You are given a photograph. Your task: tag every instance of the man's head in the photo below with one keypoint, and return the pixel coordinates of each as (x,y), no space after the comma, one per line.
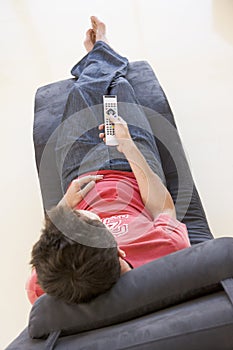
(68,269)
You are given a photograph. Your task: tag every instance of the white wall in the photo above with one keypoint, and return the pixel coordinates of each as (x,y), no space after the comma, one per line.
(188,43)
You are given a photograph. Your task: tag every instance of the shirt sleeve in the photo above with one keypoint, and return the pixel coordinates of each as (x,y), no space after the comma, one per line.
(33,289)
(176,230)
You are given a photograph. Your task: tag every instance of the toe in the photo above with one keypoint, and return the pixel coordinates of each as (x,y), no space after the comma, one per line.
(95,22)
(88,33)
(93,36)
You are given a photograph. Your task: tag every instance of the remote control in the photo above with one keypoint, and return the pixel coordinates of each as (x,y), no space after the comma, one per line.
(110,108)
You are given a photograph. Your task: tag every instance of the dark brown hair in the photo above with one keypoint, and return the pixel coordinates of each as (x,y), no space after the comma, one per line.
(68,269)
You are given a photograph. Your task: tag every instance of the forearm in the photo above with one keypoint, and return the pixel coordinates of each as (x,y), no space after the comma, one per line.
(155,195)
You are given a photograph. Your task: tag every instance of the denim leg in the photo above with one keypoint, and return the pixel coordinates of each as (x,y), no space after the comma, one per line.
(79,149)
(98,69)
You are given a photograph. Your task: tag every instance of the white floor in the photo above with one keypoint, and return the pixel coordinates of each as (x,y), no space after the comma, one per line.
(189,43)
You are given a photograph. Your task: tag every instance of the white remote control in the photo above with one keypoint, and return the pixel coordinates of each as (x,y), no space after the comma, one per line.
(110,108)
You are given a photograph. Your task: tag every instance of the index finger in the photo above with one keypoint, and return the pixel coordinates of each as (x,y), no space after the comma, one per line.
(101,127)
(88,178)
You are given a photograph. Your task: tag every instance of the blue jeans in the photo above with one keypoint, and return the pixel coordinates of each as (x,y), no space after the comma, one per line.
(79,149)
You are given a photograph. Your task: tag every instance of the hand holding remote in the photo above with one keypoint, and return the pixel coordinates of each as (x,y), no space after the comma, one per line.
(122,133)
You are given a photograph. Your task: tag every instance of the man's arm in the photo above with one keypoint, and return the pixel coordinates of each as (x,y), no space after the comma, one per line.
(155,195)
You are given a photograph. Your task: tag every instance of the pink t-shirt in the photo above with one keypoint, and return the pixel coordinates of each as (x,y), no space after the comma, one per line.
(117,200)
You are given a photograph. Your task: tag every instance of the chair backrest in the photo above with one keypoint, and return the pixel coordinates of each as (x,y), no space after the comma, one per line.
(171,280)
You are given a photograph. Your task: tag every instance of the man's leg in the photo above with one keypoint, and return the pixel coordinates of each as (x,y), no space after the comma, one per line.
(79,149)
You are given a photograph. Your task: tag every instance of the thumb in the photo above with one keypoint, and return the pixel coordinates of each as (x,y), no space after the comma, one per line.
(116,119)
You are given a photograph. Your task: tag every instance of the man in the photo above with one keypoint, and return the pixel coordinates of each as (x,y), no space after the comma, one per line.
(116,213)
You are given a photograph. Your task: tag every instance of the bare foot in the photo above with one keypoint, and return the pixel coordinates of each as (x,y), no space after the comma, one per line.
(89,40)
(99,29)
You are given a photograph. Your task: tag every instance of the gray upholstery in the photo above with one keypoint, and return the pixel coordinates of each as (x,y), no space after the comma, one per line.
(204,324)
(191,309)
(154,286)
